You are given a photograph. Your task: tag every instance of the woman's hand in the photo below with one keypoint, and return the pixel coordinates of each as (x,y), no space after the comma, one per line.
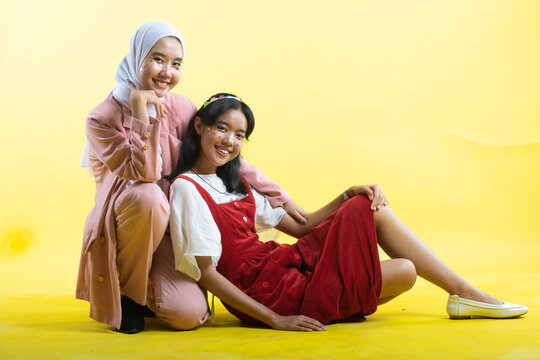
(373,192)
(297,323)
(140,98)
(295,211)
(220,286)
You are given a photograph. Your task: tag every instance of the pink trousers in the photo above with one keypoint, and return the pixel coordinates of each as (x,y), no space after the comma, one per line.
(144,252)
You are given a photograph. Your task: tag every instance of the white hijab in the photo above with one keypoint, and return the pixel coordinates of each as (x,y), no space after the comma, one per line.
(142,41)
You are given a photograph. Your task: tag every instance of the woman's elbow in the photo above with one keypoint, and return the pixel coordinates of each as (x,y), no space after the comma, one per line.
(296,231)
(207,280)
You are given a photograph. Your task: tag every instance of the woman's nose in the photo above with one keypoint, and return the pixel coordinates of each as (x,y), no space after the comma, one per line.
(166,70)
(228,138)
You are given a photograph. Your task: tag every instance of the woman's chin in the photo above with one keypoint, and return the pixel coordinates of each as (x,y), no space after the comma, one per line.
(161,93)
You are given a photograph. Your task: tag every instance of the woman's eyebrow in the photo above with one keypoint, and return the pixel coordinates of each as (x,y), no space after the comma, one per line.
(163,55)
(221,122)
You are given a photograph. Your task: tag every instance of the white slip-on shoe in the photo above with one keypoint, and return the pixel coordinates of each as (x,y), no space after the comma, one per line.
(460,308)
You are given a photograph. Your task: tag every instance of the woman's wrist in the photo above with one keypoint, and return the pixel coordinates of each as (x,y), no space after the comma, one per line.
(272,319)
(347,194)
(138,108)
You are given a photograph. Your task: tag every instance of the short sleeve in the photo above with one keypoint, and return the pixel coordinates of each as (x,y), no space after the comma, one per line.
(192,227)
(266,216)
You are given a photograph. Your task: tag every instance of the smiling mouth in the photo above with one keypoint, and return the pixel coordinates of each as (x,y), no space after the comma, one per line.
(222,151)
(161,84)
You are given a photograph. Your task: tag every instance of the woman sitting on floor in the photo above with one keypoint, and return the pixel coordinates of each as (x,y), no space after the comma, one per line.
(332,273)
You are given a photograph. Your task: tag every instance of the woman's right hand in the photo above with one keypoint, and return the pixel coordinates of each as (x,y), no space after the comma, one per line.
(220,286)
(296,323)
(373,193)
(140,98)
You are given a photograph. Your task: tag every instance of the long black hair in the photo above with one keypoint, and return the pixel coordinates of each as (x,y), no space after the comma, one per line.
(209,113)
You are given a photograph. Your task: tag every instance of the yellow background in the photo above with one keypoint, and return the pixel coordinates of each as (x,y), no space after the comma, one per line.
(436,101)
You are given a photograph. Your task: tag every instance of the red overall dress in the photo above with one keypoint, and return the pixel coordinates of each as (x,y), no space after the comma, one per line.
(333,273)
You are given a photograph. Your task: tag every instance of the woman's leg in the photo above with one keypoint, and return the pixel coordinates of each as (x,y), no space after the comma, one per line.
(398,276)
(142,216)
(176,298)
(398,241)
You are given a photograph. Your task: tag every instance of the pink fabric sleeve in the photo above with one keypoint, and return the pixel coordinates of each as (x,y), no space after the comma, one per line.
(132,155)
(256,178)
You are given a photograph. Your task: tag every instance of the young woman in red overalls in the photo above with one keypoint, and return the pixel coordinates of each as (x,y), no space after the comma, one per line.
(333,273)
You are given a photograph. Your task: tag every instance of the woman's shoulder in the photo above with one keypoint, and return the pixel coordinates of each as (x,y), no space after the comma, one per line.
(180,185)
(108,111)
(180,103)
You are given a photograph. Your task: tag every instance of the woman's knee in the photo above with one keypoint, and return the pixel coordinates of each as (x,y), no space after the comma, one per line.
(149,197)
(407,273)
(358,205)
(399,275)
(360,202)
(183,315)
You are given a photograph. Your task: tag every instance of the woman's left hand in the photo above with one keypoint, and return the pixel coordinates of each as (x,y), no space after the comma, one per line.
(139,99)
(295,211)
(373,193)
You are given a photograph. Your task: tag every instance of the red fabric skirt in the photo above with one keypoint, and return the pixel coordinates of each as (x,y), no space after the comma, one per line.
(331,274)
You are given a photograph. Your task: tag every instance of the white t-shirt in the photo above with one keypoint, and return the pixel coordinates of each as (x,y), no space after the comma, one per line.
(193,229)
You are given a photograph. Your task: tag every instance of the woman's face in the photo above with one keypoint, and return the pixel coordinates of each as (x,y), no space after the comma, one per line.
(221,142)
(160,69)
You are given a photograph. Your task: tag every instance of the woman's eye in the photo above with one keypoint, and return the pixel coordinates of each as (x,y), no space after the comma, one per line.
(177,64)
(240,136)
(221,128)
(158,59)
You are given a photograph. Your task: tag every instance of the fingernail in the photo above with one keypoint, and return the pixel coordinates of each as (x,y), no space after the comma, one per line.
(304,222)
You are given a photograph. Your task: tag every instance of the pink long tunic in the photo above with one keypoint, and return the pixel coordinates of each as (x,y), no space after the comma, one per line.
(123,148)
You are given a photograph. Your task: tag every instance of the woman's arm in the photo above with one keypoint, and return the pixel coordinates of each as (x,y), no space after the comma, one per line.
(256,178)
(293,228)
(218,285)
(271,190)
(132,155)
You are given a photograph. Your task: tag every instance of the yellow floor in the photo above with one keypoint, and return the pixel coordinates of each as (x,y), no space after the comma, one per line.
(437,101)
(415,326)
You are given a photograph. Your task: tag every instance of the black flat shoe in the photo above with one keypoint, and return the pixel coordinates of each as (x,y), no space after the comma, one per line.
(132,317)
(147,312)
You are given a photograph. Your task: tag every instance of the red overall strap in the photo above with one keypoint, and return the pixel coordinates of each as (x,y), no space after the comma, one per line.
(203,192)
(206,196)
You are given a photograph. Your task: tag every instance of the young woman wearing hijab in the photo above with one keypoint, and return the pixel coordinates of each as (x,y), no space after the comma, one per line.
(133,137)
